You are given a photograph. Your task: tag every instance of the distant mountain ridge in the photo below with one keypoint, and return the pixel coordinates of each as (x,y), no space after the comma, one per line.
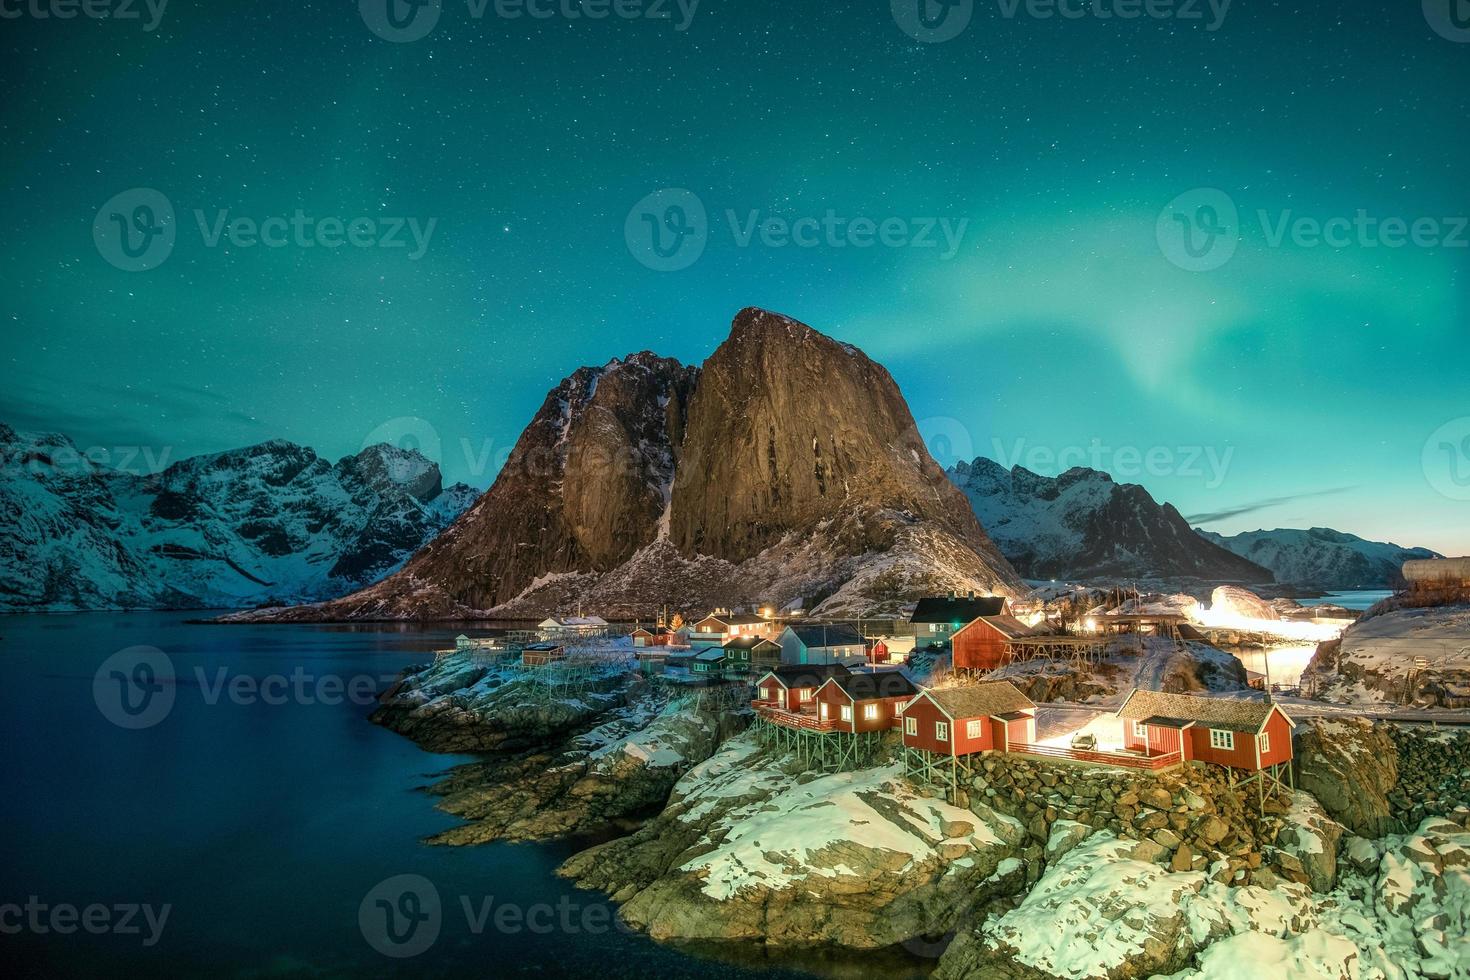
(271,522)
(1082,526)
(787,469)
(1321,558)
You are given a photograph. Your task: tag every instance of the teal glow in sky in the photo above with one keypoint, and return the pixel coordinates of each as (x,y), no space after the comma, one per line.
(1330,377)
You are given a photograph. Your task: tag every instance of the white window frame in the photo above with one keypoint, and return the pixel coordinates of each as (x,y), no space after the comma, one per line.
(845,712)
(911,726)
(973,729)
(941,731)
(870,712)
(1223,739)
(806,694)
(1140,730)
(1264,742)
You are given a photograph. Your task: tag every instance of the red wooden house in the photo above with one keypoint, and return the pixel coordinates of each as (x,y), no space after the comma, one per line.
(984,643)
(866,701)
(794,686)
(985,717)
(1251,735)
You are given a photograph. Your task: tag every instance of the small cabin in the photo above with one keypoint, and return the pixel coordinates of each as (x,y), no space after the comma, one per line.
(541,654)
(935,619)
(792,687)
(823,645)
(866,701)
(1252,735)
(641,637)
(554,626)
(987,717)
(708,663)
(746,653)
(984,643)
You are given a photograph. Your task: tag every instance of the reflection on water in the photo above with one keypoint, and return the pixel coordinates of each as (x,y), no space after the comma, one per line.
(1283,665)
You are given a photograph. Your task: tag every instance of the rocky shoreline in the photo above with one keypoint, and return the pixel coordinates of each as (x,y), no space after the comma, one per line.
(1028,868)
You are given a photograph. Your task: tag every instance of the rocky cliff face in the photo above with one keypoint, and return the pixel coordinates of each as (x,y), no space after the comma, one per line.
(1321,558)
(1081,525)
(268,522)
(787,469)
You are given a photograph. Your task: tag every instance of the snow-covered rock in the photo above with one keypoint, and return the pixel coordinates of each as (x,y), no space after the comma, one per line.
(268,522)
(1418,655)
(749,851)
(1081,525)
(1321,558)
(1231,600)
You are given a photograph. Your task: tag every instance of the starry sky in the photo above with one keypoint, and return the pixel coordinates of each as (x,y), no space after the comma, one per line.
(1252,373)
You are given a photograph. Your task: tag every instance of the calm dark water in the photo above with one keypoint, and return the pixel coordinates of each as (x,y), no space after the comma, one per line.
(261,821)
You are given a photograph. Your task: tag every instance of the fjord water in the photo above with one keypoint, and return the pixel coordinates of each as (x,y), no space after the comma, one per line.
(262,826)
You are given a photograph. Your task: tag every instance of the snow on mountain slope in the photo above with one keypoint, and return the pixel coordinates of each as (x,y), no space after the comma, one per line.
(1322,558)
(273,521)
(1081,525)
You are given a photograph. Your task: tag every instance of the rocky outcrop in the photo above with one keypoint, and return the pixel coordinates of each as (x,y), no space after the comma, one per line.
(787,470)
(268,523)
(1379,778)
(1083,526)
(1232,600)
(747,850)
(1321,558)
(1411,655)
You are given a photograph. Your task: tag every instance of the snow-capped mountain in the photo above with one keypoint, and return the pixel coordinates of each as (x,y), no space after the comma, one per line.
(1083,526)
(1322,558)
(787,468)
(268,522)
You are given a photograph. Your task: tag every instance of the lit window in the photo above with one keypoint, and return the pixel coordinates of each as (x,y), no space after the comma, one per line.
(806,694)
(972,729)
(1265,741)
(911,726)
(1221,739)
(870,712)
(941,731)
(1139,731)
(847,712)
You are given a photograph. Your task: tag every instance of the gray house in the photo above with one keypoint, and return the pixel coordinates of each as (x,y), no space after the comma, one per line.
(823,645)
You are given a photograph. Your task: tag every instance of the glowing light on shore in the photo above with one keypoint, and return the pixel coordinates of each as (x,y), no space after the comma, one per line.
(1287,629)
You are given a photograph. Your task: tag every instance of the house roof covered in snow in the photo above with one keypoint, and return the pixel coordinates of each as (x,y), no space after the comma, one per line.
(711,656)
(572,622)
(827,636)
(1178,710)
(983,700)
(961,609)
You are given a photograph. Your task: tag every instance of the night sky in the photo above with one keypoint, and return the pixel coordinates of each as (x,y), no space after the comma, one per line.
(1290,383)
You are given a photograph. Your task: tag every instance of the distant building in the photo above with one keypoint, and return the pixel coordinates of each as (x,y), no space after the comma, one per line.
(823,645)
(746,653)
(572,626)
(984,643)
(720,626)
(936,619)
